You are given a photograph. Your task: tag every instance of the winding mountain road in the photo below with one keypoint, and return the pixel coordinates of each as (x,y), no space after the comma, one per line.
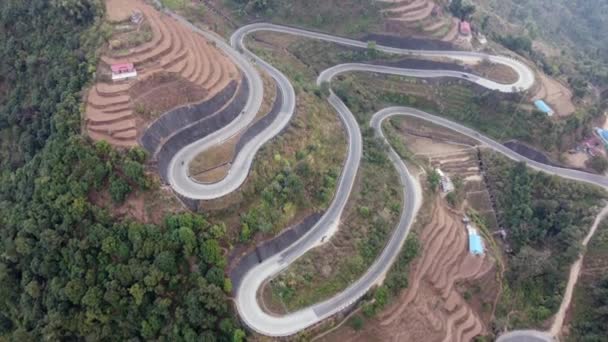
(246,295)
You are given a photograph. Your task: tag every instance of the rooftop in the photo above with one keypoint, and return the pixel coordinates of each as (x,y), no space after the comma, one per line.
(122,67)
(603,134)
(543,107)
(475,244)
(465,27)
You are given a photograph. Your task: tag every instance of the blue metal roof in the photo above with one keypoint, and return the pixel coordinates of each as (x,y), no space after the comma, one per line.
(542,106)
(604,134)
(475,244)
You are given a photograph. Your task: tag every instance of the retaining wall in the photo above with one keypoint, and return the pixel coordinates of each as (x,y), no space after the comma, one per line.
(270,248)
(255,129)
(178,118)
(200,129)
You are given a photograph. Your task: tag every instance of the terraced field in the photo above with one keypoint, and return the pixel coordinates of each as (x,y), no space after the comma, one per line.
(434,306)
(175,50)
(431,305)
(422,16)
(463,163)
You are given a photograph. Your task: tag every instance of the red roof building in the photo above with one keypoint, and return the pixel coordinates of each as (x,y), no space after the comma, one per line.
(122,68)
(122,71)
(465,28)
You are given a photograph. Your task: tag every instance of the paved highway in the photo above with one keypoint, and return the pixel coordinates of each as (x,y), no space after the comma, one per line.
(526,336)
(246,295)
(185,185)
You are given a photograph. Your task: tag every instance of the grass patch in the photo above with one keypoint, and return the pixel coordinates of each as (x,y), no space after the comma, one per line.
(347,17)
(122,42)
(174,5)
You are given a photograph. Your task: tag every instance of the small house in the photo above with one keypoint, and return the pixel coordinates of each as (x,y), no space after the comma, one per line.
(475,241)
(445,182)
(123,71)
(464,28)
(603,134)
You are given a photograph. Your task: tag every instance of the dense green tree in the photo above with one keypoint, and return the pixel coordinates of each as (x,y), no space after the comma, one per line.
(592,325)
(433,179)
(599,164)
(545,218)
(461,9)
(68,269)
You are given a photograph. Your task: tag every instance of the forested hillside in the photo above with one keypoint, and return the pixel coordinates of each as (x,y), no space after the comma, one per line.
(43,65)
(574,30)
(546,218)
(68,269)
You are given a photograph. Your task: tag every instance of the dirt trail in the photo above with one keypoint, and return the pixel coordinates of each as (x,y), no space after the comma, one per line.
(575,270)
(199,70)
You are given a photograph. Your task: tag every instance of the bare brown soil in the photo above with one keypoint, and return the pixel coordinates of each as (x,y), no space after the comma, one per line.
(578,160)
(163,91)
(497,72)
(118,10)
(558,96)
(271,303)
(455,155)
(213,158)
(434,308)
(197,69)
(215,174)
(431,138)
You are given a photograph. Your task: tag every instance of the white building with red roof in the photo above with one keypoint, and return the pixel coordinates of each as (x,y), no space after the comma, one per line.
(123,71)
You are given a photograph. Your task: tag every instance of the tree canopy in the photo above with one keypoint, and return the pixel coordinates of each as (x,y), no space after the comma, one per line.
(68,269)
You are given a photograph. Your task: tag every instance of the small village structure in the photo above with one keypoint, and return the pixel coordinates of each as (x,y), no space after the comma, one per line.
(446,183)
(475,241)
(123,71)
(464,27)
(603,135)
(544,107)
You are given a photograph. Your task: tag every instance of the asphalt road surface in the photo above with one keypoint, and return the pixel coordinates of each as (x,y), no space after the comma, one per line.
(526,336)
(246,295)
(185,185)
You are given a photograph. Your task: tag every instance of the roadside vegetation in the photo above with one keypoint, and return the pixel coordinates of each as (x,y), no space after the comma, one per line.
(495,114)
(295,174)
(590,301)
(348,17)
(174,5)
(377,205)
(373,213)
(69,270)
(545,218)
